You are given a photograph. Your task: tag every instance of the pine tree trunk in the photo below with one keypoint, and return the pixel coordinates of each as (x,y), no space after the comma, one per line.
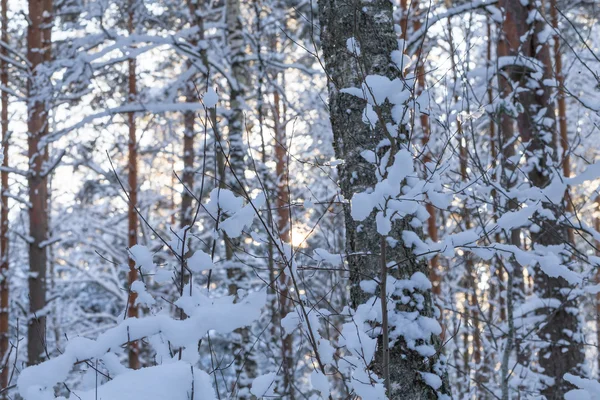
(4,260)
(38,52)
(372,26)
(189,118)
(132,309)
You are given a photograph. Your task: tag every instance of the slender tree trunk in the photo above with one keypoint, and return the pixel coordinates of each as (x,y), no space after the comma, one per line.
(372,26)
(4,261)
(132,310)
(38,52)
(189,119)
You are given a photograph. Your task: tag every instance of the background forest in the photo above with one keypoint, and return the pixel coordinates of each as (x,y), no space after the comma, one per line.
(294,199)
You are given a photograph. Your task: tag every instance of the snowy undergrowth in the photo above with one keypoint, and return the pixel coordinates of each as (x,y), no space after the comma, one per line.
(173,341)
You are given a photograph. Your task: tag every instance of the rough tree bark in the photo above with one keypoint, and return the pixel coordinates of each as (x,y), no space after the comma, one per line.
(371,24)
(38,52)
(4,266)
(560,352)
(132,218)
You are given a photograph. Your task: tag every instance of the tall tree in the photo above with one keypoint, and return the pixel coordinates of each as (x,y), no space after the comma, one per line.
(132,218)
(358,41)
(39,52)
(189,125)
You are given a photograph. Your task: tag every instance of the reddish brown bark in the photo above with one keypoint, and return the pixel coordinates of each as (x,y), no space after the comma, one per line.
(4,286)
(189,118)
(132,218)
(38,52)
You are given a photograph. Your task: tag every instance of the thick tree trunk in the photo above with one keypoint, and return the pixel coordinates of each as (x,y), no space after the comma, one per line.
(371,25)
(560,352)
(132,218)
(4,285)
(38,52)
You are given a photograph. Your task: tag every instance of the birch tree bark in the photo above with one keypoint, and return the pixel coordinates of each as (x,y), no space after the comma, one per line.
(371,25)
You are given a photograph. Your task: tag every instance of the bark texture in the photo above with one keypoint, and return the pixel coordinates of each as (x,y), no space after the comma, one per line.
(132,217)
(371,24)
(38,52)
(189,119)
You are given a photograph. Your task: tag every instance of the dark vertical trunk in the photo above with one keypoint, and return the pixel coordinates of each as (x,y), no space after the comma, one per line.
(132,218)
(38,52)
(372,26)
(189,118)
(4,286)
